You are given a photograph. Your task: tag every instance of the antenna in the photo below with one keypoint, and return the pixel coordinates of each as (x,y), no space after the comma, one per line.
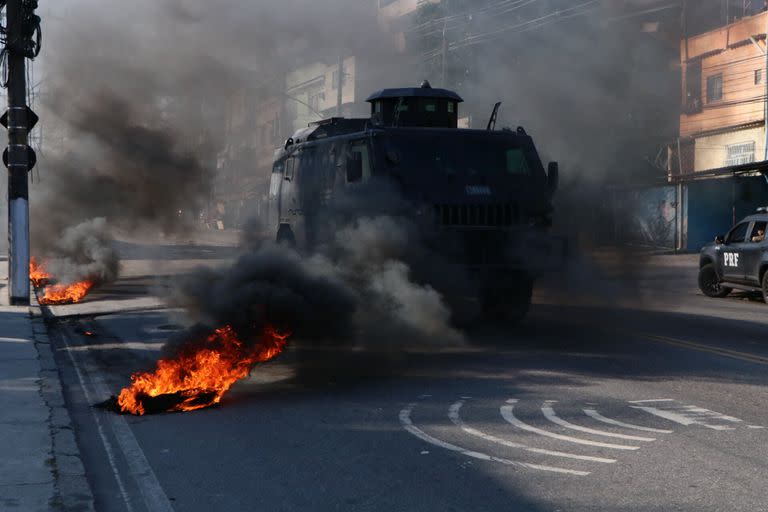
(494,114)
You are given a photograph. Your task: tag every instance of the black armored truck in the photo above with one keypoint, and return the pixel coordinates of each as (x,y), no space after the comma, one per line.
(738,260)
(484,194)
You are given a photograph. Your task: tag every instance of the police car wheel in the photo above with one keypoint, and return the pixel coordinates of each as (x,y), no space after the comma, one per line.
(710,284)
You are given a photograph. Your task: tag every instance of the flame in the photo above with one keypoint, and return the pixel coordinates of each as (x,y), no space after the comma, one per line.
(56,293)
(37,273)
(200,374)
(66,293)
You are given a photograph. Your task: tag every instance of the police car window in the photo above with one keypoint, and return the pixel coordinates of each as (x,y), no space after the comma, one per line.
(758,231)
(517,163)
(738,233)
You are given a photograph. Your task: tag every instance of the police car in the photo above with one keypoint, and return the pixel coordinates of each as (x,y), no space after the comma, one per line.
(738,260)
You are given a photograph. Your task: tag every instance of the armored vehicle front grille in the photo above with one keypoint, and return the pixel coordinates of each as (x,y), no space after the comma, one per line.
(477,215)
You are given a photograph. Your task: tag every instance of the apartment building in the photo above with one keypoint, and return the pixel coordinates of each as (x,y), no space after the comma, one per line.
(723,96)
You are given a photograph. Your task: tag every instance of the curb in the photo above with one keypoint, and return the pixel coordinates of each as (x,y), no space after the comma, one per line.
(73,492)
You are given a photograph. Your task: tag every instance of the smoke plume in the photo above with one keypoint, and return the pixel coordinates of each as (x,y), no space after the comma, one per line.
(360,284)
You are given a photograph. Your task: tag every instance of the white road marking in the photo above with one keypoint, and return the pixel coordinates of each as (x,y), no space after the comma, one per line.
(155,499)
(407,424)
(453,414)
(599,417)
(99,428)
(682,419)
(550,414)
(652,400)
(699,411)
(755,426)
(507,412)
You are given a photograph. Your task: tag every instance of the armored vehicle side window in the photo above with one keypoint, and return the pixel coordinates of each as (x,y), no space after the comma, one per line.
(758,231)
(290,165)
(517,163)
(358,162)
(737,234)
(274,182)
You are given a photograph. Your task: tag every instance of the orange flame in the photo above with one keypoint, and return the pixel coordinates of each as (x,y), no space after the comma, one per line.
(37,273)
(200,375)
(57,293)
(66,293)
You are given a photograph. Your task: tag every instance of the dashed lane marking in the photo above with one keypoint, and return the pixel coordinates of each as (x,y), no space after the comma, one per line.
(453,414)
(507,412)
(407,424)
(550,414)
(734,354)
(592,413)
(652,400)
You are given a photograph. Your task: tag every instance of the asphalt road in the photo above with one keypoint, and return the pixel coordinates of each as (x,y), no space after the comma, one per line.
(625,389)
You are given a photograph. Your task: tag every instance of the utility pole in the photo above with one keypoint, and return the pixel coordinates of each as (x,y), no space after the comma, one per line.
(339,85)
(22,41)
(444,55)
(765,80)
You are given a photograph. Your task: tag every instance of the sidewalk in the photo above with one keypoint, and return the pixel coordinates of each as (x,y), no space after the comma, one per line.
(40,466)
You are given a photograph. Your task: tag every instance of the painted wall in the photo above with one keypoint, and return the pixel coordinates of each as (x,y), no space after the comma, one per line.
(727,50)
(710,151)
(713,204)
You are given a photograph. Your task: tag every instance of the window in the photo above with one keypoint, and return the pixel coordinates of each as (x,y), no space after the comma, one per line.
(692,100)
(358,150)
(314,99)
(737,154)
(430,106)
(289,168)
(758,76)
(758,232)
(715,88)
(737,234)
(516,162)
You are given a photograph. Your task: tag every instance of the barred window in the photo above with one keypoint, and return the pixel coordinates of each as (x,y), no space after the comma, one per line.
(714,88)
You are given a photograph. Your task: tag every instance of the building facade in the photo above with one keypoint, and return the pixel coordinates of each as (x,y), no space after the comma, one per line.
(715,161)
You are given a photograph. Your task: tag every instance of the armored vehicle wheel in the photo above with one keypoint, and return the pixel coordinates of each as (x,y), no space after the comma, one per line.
(765,287)
(709,283)
(509,305)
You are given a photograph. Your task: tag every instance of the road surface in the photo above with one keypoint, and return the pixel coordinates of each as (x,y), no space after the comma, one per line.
(624,390)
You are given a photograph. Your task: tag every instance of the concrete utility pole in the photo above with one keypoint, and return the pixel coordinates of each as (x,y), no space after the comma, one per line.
(444,58)
(765,80)
(22,25)
(339,85)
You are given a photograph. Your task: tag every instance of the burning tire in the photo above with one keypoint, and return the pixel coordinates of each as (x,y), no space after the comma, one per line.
(509,305)
(709,283)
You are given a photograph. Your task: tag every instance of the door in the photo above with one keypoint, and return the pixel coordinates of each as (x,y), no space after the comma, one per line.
(732,253)
(753,251)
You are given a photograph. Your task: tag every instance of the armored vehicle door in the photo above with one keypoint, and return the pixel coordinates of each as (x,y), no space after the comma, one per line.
(754,248)
(731,258)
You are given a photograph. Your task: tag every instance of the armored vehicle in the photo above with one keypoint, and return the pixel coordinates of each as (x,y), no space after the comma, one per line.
(738,260)
(485,193)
